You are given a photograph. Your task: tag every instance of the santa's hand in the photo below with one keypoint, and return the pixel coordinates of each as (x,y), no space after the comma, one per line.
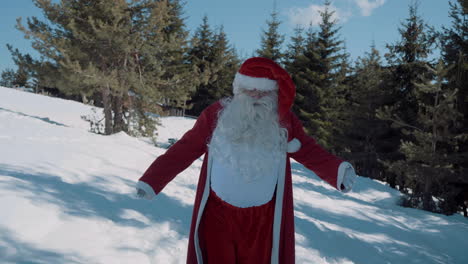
(348,179)
(141,193)
(144,191)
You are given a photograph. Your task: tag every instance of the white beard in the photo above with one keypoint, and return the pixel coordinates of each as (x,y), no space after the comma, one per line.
(248,136)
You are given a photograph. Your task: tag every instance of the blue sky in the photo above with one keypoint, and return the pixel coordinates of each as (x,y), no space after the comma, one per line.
(362,21)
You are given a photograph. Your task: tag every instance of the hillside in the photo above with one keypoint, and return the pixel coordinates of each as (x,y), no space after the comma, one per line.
(67,196)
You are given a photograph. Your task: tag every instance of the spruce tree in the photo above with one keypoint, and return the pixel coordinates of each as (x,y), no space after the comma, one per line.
(295,64)
(271,40)
(177,69)
(295,48)
(366,134)
(110,48)
(227,63)
(340,115)
(303,65)
(216,63)
(408,58)
(429,156)
(408,61)
(8,78)
(319,79)
(328,73)
(200,58)
(455,55)
(23,76)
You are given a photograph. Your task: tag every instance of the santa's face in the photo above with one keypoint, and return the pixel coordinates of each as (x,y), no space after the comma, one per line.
(248,126)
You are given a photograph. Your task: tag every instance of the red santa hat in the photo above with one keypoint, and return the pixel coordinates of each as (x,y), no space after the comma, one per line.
(266,75)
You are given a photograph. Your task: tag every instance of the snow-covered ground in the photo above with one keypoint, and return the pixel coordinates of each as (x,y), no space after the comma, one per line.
(67,196)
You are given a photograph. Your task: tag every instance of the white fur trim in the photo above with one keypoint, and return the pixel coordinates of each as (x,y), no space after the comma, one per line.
(242,81)
(150,194)
(345,170)
(277,218)
(294,145)
(205,195)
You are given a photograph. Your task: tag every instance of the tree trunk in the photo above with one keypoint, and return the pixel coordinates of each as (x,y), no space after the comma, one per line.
(391,179)
(117,103)
(107,102)
(427,195)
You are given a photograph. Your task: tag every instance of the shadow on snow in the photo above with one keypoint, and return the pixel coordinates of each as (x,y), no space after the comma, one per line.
(384,238)
(86,200)
(14,251)
(383,232)
(45,119)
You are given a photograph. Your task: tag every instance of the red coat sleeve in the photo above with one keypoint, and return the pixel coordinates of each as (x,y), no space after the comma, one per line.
(313,156)
(180,155)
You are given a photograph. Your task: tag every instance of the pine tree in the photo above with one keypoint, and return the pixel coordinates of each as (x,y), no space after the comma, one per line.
(177,69)
(200,58)
(108,47)
(407,60)
(295,64)
(455,54)
(11,78)
(340,115)
(8,78)
(23,75)
(227,63)
(329,77)
(295,48)
(366,134)
(429,156)
(319,79)
(271,40)
(216,63)
(303,65)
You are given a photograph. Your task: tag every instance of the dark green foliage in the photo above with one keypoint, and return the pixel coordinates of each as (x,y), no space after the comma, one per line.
(431,149)
(455,53)
(454,42)
(178,73)
(272,41)
(225,57)
(365,133)
(303,65)
(113,49)
(200,58)
(11,78)
(215,63)
(319,71)
(407,60)
(23,75)
(8,78)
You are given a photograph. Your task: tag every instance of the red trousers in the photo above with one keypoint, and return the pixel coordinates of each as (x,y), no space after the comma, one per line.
(234,235)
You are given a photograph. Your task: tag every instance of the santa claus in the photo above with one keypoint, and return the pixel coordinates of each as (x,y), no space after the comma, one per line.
(243,209)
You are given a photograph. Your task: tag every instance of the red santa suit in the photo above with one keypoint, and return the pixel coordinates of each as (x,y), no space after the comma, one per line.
(301,148)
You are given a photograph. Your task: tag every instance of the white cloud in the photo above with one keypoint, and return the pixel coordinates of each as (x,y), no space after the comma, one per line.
(311,14)
(367,6)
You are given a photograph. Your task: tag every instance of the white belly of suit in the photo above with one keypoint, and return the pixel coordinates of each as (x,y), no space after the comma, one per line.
(236,190)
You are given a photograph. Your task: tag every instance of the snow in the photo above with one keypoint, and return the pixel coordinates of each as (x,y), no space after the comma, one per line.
(67,196)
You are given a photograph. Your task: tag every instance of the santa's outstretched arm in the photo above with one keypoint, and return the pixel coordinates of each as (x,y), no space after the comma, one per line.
(177,158)
(338,173)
